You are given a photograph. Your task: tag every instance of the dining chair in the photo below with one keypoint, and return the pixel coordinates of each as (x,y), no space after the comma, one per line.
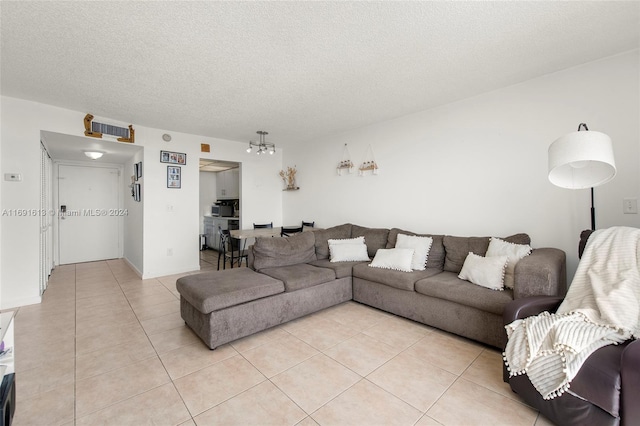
(262,225)
(309,224)
(230,249)
(289,231)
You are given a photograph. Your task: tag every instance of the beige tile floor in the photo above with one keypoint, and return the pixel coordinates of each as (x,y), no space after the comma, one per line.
(105,347)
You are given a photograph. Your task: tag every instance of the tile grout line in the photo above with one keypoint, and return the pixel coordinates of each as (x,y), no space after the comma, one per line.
(156,352)
(133,311)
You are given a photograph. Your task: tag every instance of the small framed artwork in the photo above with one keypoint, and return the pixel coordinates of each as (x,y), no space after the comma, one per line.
(136,192)
(137,168)
(173,157)
(173,177)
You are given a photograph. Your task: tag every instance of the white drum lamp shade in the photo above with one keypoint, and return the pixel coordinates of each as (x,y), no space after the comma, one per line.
(581,159)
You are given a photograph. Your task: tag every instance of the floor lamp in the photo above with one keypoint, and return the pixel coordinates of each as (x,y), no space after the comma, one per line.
(580,160)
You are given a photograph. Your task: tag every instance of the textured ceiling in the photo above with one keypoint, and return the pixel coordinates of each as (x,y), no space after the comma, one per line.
(299,70)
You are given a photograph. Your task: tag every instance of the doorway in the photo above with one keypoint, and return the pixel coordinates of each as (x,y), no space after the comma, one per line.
(219,182)
(89,222)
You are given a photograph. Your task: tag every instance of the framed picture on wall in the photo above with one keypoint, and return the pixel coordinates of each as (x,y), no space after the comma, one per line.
(173,177)
(138,170)
(173,157)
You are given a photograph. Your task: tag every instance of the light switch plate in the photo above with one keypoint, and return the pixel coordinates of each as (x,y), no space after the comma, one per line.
(13,177)
(630,206)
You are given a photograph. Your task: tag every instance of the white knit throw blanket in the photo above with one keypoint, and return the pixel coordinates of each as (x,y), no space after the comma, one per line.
(602,307)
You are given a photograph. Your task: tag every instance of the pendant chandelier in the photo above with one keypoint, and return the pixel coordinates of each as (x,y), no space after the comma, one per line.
(262,146)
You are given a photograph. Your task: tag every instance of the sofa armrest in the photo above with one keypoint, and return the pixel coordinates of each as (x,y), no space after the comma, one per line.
(526,307)
(542,273)
(250,257)
(630,375)
(529,306)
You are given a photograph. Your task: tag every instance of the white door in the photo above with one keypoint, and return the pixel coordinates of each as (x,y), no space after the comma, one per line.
(88,229)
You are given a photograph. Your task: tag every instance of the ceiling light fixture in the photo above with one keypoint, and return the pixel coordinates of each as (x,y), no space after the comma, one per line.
(582,160)
(94,155)
(262,146)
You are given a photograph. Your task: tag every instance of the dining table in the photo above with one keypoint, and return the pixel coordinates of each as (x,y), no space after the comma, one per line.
(244,234)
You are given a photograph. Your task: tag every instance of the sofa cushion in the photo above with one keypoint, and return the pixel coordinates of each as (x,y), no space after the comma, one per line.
(448,286)
(374,238)
(341,269)
(436,252)
(212,291)
(270,252)
(457,248)
(324,235)
(296,277)
(392,278)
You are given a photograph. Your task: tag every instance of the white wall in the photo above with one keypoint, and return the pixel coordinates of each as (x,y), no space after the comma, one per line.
(1,175)
(166,219)
(20,140)
(133,248)
(479,166)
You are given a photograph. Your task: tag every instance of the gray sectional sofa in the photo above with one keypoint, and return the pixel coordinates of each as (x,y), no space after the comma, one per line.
(288,278)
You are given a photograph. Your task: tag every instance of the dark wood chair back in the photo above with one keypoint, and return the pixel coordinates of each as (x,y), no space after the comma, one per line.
(289,231)
(229,248)
(262,225)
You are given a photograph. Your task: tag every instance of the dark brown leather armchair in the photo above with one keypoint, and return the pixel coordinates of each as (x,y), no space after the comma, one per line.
(606,390)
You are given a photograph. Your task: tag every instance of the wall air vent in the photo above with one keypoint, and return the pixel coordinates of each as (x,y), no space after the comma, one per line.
(96,130)
(108,129)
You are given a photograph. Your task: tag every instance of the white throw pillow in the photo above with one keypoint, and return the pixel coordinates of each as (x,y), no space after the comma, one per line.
(347,249)
(348,252)
(357,240)
(420,246)
(484,271)
(396,258)
(514,252)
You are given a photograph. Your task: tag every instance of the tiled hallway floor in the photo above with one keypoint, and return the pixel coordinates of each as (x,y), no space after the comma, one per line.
(105,347)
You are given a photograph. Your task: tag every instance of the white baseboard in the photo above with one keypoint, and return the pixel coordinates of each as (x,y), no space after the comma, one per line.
(156,274)
(132,266)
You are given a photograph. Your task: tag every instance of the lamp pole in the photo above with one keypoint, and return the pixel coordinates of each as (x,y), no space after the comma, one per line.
(593,209)
(593,213)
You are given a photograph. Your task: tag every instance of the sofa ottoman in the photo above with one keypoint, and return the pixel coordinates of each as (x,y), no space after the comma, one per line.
(201,295)
(223,306)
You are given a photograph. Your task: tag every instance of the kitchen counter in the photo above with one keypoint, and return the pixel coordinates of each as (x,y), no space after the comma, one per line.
(212,235)
(222,217)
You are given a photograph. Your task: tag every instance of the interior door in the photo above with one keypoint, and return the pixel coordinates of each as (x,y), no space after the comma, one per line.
(88,213)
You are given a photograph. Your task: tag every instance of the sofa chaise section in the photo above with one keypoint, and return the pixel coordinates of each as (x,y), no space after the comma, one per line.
(223,306)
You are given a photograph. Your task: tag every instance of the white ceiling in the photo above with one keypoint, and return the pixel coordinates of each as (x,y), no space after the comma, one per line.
(300,70)
(207,165)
